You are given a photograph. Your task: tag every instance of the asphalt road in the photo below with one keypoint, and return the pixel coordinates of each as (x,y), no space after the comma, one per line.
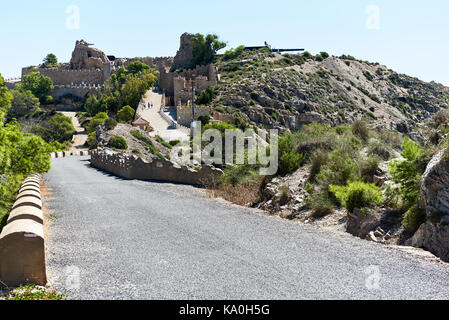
(121,239)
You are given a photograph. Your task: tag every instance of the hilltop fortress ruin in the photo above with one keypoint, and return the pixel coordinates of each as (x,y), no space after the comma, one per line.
(89,68)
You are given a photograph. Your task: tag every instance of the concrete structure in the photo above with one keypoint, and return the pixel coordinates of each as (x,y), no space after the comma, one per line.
(22,243)
(142,124)
(132,167)
(28,213)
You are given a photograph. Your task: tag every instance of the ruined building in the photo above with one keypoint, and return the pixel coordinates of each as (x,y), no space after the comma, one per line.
(89,68)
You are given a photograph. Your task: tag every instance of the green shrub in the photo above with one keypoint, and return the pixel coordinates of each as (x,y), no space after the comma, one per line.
(92,140)
(391,138)
(441,118)
(340,169)
(379,149)
(110,123)
(99,119)
(319,58)
(233,53)
(307,55)
(204,119)
(34,293)
(126,114)
(236,174)
(57,128)
(368,169)
(118,142)
(289,158)
(361,130)
(413,218)
(319,159)
(136,134)
(206,96)
(163,142)
(174,142)
(147,142)
(325,55)
(357,195)
(408,173)
(284,195)
(321,204)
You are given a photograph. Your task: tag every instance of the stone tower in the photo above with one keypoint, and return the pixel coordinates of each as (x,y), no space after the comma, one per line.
(184,55)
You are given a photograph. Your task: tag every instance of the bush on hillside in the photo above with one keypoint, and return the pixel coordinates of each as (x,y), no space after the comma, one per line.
(99,119)
(413,218)
(125,114)
(340,169)
(408,173)
(110,123)
(361,130)
(289,159)
(233,53)
(118,142)
(357,195)
(206,96)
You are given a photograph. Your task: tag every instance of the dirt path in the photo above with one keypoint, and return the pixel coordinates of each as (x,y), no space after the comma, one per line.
(80,139)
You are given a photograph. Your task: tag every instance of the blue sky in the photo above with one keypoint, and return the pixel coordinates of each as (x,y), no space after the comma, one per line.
(412,38)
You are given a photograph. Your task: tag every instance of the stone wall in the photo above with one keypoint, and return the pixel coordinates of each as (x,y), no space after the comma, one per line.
(77,91)
(68,77)
(184,113)
(132,167)
(11,83)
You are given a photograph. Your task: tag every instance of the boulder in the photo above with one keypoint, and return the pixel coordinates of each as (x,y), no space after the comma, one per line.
(84,57)
(361,224)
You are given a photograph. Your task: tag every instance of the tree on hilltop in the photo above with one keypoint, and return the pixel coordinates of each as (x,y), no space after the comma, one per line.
(51,59)
(205,48)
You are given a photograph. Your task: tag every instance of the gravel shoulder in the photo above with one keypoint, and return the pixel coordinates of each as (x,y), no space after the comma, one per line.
(122,239)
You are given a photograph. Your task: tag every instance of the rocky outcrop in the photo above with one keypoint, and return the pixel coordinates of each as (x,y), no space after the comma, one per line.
(184,55)
(435,185)
(434,234)
(434,238)
(84,57)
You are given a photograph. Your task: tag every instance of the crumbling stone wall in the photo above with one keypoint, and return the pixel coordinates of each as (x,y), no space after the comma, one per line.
(184,114)
(184,56)
(132,167)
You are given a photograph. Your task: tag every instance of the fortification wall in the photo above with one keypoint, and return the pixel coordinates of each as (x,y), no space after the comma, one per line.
(67,76)
(161,64)
(11,83)
(184,114)
(132,167)
(77,91)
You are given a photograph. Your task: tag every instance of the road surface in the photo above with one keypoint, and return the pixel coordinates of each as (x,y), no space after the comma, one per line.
(122,239)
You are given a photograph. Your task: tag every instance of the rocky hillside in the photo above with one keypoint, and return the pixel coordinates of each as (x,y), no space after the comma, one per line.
(287,91)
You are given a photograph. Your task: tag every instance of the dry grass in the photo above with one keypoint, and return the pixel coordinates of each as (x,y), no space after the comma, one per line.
(243,194)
